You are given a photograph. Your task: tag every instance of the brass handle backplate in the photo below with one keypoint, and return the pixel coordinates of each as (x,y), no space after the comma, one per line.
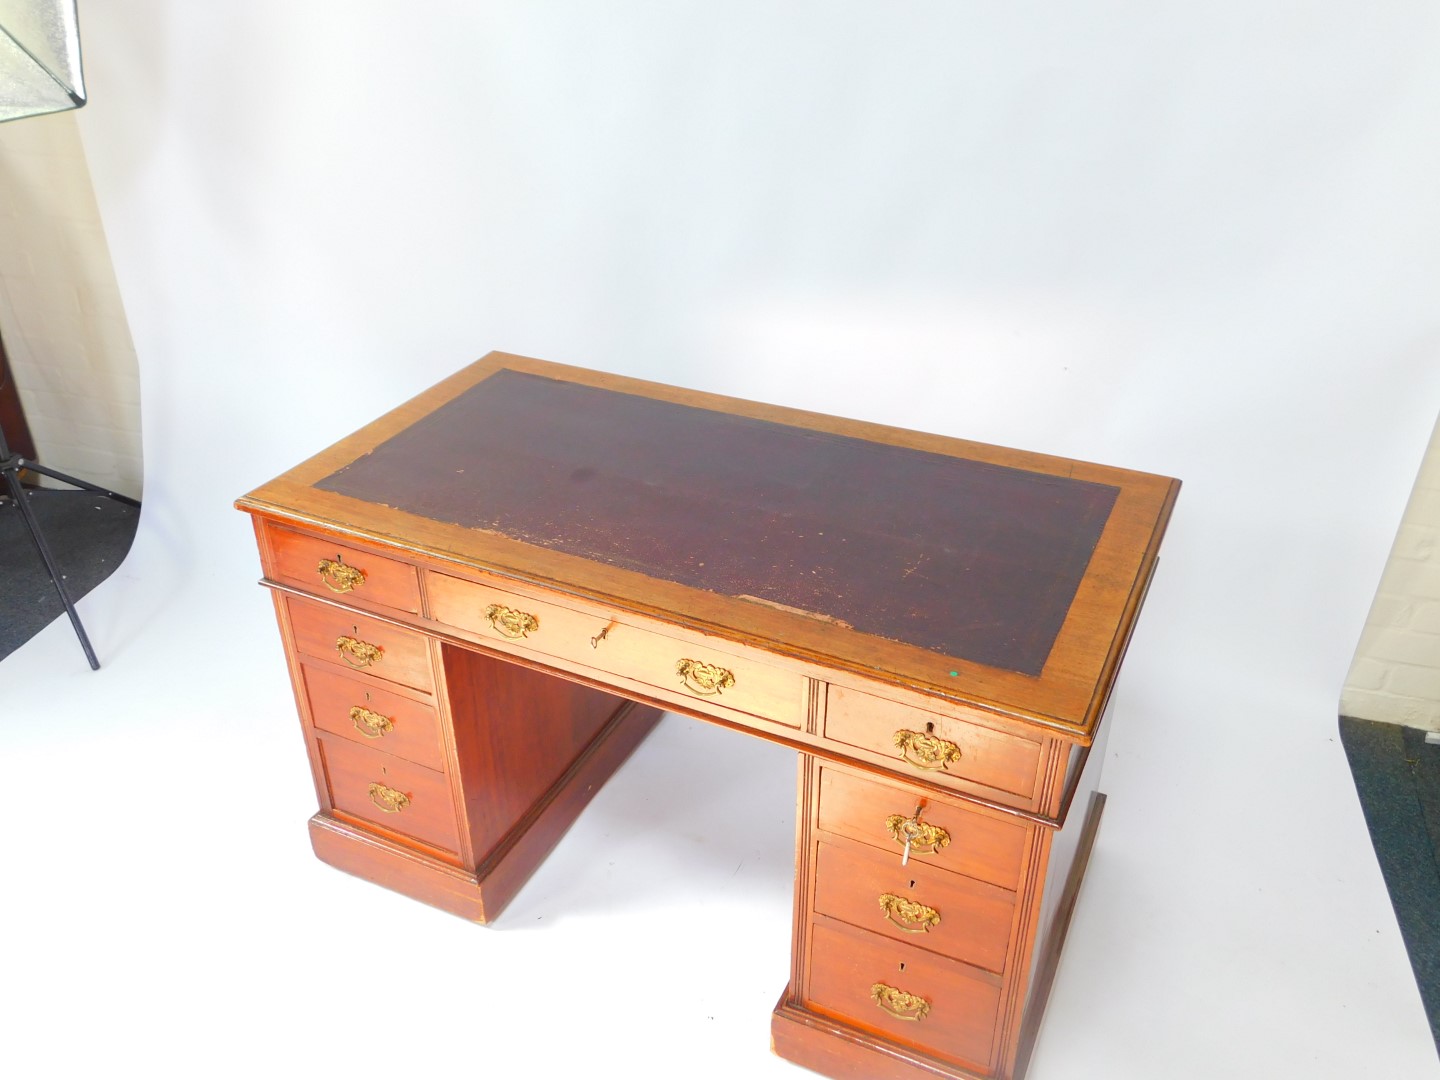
(898,1003)
(339,577)
(924,838)
(909,915)
(926,751)
(358,653)
(511,622)
(371,724)
(703,678)
(388,799)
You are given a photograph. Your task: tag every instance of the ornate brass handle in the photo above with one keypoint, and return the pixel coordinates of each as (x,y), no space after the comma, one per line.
(388,799)
(511,622)
(922,837)
(909,915)
(898,1003)
(339,577)
(926,751)
(371,724)
(703,678)
(358,653)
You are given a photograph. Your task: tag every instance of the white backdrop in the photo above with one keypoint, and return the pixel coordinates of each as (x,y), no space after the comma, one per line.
(1195,240)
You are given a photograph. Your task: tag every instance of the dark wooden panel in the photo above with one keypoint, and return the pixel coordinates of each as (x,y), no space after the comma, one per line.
(517,731)
(966,558)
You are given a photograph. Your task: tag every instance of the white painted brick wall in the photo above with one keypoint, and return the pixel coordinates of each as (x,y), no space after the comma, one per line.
(1395,676)
(60,312)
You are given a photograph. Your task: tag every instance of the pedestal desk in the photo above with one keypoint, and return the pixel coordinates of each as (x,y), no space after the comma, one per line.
(490,595)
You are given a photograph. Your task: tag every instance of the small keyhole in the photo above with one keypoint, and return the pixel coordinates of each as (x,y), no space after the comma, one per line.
(367,695)
(902,966)
(355,630)
(929,729)
(912,884)
(384,771)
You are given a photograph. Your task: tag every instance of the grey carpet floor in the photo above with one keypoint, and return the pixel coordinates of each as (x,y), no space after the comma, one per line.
(1397,775)
(89,536)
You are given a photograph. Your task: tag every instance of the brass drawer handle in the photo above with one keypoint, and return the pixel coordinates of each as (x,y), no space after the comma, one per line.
(358,653)
(388,799)
(339,577)
(926,751)
(898,1003)
(703,678)
(371,724)
(511,622)
(920,837)
(909,915)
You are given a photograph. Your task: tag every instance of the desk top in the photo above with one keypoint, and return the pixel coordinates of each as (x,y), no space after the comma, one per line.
(969,572)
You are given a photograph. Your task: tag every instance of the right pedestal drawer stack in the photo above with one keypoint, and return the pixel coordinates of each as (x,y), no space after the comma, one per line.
(914,916)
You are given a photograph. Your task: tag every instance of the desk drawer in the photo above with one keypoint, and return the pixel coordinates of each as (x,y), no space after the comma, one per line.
(961,840)
(919,905)
(354,642)
(356,708)
(911,995)
(704,677)
(321,566)
(390,792)
(937,748)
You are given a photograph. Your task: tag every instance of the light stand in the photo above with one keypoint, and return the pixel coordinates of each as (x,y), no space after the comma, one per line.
(40,73)
(10,466)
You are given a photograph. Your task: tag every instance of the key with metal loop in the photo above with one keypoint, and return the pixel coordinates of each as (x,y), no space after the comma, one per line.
(911,829)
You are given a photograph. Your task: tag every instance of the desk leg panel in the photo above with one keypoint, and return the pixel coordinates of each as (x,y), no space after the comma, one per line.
(506,869)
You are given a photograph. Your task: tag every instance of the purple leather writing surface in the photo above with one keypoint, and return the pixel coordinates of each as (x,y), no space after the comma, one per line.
(967,559)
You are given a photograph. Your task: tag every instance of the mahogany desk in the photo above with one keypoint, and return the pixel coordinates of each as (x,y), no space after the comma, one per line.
(488,597)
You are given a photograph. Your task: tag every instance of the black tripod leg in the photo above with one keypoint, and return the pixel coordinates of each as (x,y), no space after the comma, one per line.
(76,482)
(23,503)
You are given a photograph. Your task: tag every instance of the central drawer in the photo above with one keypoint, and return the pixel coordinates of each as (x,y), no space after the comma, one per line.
(704,677)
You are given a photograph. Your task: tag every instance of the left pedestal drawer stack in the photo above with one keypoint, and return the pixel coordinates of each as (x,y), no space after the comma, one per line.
(367,690)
